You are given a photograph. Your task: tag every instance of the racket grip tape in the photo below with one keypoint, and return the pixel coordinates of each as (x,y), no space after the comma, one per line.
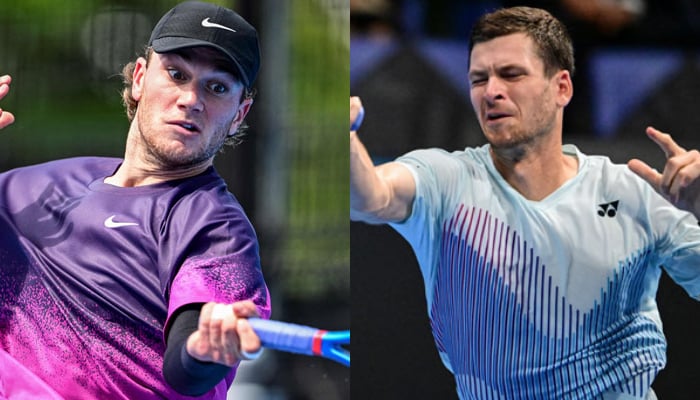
(288,337)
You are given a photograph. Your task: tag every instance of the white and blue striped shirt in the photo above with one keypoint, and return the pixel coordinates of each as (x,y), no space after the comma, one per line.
(551,299)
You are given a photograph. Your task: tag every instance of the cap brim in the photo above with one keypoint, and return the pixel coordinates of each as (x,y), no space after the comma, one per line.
(167,44)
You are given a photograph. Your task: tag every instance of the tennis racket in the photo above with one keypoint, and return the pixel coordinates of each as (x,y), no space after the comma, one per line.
(300,339)
(358,121)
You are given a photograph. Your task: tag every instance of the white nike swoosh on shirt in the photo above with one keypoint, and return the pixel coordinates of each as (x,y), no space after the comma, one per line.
(207,24)
(111,223)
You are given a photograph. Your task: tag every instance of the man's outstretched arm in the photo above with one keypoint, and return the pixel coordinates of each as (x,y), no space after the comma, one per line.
(377,194)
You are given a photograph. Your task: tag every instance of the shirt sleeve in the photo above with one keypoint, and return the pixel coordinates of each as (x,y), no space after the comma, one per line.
(225,279)
(677,237)
(435,174)
(680,255)
(220,262)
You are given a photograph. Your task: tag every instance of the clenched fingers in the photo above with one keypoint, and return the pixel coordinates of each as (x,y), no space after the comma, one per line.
(6,118)
(216,339)
(223,337)
(249,340)
(223,333)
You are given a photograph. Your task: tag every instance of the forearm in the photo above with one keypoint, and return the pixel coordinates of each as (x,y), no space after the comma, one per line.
(183,373)
(369,195)
(378,194)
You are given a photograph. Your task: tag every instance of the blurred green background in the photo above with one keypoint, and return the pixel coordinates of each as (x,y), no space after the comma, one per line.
(290,174)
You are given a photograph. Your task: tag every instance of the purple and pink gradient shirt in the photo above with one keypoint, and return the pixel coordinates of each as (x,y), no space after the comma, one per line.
(90,274)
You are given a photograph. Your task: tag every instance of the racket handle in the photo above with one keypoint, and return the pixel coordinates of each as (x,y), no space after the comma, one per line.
(358,120)
(288,337)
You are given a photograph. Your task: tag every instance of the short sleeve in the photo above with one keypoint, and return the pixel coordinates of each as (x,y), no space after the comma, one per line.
(677,237)
(435,173)
(220,261)
(680,255)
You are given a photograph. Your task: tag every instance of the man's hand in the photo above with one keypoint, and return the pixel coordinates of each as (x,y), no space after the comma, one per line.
(6,118)
(679,181)
(223,333)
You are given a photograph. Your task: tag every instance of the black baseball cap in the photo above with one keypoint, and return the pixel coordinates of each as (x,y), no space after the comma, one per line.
(195,23)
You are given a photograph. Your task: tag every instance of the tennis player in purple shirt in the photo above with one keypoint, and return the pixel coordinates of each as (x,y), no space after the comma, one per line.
(110,268)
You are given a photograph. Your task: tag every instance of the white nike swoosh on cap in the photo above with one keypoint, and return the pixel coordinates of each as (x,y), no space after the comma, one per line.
(207,24)
(111,223)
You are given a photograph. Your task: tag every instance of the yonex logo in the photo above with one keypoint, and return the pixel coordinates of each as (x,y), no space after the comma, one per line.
(207,24)
(608,209)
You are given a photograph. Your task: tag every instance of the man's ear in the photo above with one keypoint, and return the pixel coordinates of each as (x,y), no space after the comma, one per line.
(565,87)
(137,78)
(243,110)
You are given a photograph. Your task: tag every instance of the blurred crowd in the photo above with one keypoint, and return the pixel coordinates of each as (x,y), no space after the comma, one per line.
(647,22)
(593,25)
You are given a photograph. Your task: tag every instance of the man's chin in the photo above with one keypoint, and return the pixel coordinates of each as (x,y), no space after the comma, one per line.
(510,142)
(504,140)
(177,159)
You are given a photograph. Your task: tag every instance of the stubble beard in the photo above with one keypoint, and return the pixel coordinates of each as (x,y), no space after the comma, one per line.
(518,141)
(515,141)
(159,153)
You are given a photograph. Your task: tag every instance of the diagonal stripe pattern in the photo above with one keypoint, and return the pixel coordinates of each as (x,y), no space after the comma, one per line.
(508,330)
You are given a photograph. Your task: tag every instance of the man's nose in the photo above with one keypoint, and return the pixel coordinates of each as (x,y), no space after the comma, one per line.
(191,97)
(494,89)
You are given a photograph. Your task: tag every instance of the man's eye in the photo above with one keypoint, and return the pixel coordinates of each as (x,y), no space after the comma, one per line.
(218,88)
(512,75)
(176,74)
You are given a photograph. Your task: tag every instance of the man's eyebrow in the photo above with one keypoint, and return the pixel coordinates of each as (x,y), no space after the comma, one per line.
(219,64)
(475,73)
(498,69)
(511,67)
